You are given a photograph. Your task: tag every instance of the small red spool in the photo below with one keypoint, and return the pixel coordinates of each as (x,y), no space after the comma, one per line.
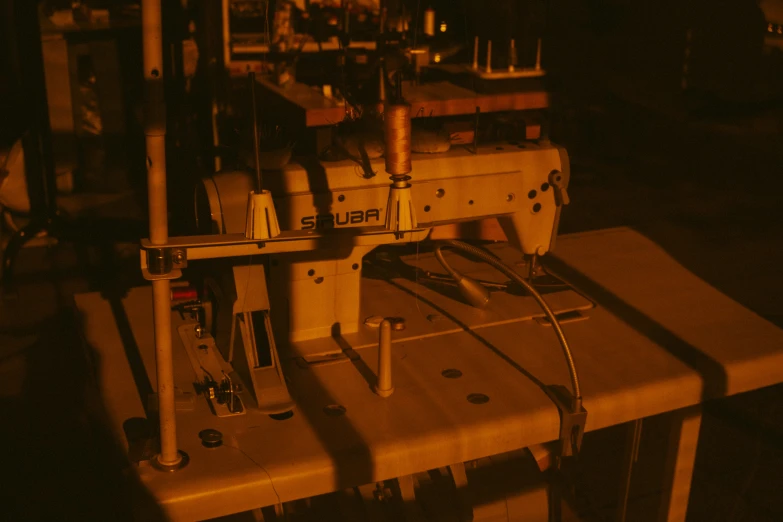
(184,293)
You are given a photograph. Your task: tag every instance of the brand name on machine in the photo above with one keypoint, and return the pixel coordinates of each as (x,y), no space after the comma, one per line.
(352,217)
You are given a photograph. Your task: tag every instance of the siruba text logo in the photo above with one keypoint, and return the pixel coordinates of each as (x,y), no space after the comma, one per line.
(352,217)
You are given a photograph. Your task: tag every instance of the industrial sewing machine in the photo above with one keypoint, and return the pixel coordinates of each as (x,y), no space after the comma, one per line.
(292,292)
(298,270)
(314,264)
(327,348)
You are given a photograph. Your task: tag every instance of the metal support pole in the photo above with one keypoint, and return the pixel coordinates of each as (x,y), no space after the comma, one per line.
(475,53)
(161,307)
(155,133)
(538,55)
(256,138)
(633,438)
(489,57)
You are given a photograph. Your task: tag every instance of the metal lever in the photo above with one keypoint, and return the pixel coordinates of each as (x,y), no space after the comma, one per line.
(561,193)
(192,308)
(449,281)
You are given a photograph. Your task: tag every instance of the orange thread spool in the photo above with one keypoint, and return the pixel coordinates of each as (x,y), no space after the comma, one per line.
(397,123)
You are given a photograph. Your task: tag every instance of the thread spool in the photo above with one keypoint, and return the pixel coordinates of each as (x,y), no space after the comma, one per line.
(429,22)
(184,293)
(397,123)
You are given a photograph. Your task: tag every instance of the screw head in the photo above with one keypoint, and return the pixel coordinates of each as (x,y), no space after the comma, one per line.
(210,438)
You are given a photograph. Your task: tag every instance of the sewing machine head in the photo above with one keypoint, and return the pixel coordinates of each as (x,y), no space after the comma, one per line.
(296,235)
(306,293)
(517,184)
(522,186)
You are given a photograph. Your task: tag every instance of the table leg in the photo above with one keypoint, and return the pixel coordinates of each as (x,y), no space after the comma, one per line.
(680,459)
(633,437)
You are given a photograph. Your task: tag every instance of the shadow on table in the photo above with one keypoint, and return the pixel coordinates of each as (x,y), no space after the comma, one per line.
(60,456)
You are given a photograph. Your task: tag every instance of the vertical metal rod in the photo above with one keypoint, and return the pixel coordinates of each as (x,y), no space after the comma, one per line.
(476,130)
(161,309)
(489,56)
(531,274)
(512,55)
(155,121)
(216,137)
(384,388)
(382,82)
(475,52)
(347,18)
(256,140)
(226,35)
(633,437)
(538,55)
(155,137)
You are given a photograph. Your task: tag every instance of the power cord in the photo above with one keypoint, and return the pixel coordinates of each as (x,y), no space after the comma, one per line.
(488,258)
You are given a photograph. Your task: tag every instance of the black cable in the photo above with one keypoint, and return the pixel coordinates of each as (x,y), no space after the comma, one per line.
(488,258)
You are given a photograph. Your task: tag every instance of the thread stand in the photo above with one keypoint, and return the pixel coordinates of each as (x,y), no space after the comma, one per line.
(512,71)
(400,215)
(384,386)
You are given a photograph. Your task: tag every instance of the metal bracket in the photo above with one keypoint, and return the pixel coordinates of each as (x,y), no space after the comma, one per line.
(149,276)
(573,418)
(162,260)
(159,261)
(154,257)
(215,381)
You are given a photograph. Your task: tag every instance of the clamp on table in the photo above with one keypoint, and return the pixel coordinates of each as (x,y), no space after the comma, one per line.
(573,418)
